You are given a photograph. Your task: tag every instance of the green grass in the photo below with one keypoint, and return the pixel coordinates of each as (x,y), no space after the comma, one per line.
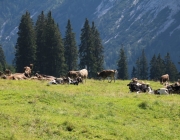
(31,110)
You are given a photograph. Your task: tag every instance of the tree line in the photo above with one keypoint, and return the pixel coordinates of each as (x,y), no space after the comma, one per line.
(142,70)
(42,45)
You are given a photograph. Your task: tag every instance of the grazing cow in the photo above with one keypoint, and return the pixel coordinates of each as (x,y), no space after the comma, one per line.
(138,87)
(164,78)
(107,73)
(83,74)
(162,91)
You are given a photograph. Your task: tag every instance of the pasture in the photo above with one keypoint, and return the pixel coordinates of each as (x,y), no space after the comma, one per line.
(31,110)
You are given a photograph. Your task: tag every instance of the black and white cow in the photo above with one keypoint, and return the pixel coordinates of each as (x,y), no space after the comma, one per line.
(139,87)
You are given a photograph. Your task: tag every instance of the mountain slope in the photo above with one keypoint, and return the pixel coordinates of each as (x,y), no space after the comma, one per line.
(136,24)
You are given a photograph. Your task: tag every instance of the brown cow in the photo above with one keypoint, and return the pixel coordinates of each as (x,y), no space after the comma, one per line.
(15,76)
(27,71)
(107,73)
(73,74)
(164,78)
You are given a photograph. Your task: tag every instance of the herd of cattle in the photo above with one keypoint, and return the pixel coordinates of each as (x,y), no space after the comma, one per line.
(76,77)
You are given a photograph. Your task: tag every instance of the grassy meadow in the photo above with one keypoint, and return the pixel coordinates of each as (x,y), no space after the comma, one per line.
(31,110)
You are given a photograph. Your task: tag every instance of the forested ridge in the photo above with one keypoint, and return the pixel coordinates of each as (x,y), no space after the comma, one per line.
(42,45)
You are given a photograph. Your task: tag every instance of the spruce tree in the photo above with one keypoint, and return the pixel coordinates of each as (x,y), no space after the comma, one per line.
(152,64)
(26,45)
(143,66)
(2,59)
(98,51)
(160,68)
(86,48)
(122,65)
(138,69)
(170,68)
(53,49)
(71,52)
(133,73)
(40,65)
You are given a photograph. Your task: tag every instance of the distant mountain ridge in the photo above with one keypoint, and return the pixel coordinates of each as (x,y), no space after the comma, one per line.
(136,24)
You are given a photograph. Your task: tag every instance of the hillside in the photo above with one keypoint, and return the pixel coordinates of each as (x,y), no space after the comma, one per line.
(31,110)
(137,24)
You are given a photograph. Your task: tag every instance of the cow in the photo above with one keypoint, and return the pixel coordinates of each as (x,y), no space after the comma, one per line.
(59,80)
(52,82)
(164,78)
(15,76)
(44,77)
(162,91)
(107,73)
(138,87)
(174,88)
(73,74)
(27,71)
(83,74)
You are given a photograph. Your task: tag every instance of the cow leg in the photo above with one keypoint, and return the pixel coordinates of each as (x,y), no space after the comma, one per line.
(111,80)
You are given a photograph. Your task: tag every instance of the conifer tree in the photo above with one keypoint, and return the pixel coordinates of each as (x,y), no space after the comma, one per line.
(137,68)
(54,49)
(143,66)
(86,48)
(2,59)
(133,73)
(153,64)
(40,65)
(98,52)
(160,68)
(170,68)
(122,65)
(26,45)
(71,52)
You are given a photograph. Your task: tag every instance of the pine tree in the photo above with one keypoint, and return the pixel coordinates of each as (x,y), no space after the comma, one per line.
(170,68)
(98,52)
(143,66)
(153,68)
(53,49)
(86,48)
(71,52)
(40,65)
(2,59)
(26,45)
(122,65)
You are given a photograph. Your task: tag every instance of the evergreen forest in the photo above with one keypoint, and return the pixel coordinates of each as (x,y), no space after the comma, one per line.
(40,43)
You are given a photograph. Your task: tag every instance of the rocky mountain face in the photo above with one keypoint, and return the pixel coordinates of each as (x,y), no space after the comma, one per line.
(135,24)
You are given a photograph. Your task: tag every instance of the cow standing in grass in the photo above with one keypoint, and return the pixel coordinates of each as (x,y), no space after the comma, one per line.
(83,74)
(107,73)
(164,78)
